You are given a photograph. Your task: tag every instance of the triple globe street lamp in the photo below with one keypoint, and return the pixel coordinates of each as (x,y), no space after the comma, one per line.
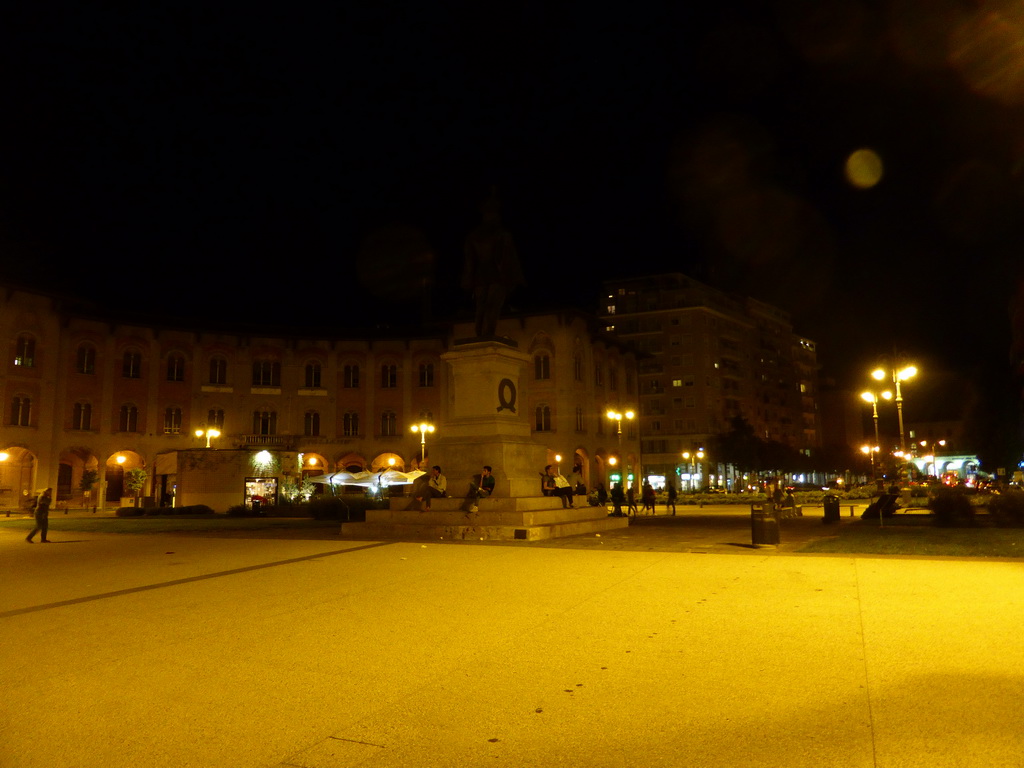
(617,417)
(423,427)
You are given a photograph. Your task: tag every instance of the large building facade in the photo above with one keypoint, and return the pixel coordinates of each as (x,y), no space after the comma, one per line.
(88,394)
(706,358)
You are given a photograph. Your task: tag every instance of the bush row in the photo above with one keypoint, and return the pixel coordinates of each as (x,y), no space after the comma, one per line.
(195,509)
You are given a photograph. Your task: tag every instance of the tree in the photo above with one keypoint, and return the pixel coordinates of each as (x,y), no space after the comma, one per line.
(134,481)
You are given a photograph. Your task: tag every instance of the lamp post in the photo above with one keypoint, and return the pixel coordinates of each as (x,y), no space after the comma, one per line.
(933,455)
(209,434)
(617,417)
(423,428)
(871,450)
(687,456)
(897,378)
(872,397)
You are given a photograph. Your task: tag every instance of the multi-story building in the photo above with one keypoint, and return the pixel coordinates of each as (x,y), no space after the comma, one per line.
(705,359)
(84,392)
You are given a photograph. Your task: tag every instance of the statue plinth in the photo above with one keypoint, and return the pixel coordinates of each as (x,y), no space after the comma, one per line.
(486,421)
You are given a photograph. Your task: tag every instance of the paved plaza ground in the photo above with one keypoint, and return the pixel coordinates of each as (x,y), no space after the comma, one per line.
(670,643)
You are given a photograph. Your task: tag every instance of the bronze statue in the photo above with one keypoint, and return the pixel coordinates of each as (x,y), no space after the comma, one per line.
(491,269)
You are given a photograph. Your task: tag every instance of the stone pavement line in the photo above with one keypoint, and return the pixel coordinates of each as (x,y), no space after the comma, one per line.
(189,580)
(869,697)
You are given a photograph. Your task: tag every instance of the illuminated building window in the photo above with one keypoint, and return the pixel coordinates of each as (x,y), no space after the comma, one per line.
(128,418)
(218,371)
(389,376)
(21,411)
(175,368)
(131,364)
(81,417)
(85,359)
(388,422)
(25,354)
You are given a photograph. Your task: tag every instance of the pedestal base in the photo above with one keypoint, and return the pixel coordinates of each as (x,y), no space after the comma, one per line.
(494,519)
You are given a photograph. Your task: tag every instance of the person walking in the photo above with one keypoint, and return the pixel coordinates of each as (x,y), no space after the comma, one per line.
(670,498)
(648,497)
(631,500)
(618,499)
(42,517)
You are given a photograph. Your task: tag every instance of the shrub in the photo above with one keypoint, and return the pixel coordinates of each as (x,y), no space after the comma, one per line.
(1007,508)
(129,512)
(328,509)
(240,510)
(951,507)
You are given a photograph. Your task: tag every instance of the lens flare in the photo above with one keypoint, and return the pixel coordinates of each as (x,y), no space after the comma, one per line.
(864,168)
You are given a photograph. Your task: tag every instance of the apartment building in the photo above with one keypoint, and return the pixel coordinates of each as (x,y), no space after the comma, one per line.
(706,357)
(85,391)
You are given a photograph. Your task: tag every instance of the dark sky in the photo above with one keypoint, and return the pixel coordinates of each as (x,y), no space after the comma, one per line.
(304,163)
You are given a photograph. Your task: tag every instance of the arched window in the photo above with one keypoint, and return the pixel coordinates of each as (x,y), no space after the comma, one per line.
(21,411)
(266,373)
(598,375)
(128,418)
(25,351)
(264,422)
(579,418)
(426,374)
(132,364)
(542,366)
(175,368)
(543,418)
(389,376)
(218,371)
(313,370)
(388,422)
(172,420)
(351,424)
(85,359)
(81,417)
(350,378)
(312,424)
(215,418)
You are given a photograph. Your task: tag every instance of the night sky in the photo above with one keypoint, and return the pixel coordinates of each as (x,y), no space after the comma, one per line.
(313,164)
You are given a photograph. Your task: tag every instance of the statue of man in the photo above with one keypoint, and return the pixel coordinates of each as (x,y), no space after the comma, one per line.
(491,268)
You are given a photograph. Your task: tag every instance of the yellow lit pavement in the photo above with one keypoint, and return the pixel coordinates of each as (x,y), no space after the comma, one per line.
(181,650)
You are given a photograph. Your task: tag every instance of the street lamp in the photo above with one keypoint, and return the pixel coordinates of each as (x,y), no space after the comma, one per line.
(423,428)
(932,456)
(617,417)
(871,450)
(209,434)
(897,377)
(687,456)
(872,397)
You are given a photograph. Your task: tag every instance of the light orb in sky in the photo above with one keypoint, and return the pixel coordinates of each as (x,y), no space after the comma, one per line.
(864,168)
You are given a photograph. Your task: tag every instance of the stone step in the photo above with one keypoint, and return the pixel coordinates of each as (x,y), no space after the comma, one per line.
(477,528)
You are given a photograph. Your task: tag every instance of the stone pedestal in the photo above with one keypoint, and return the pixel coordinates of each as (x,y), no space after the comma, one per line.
(485,422)
(485,425)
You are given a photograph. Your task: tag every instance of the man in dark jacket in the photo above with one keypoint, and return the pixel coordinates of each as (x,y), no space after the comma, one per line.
(42,517)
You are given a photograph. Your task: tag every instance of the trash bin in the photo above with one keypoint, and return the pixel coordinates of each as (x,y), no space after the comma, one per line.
(831,504)
(764,526)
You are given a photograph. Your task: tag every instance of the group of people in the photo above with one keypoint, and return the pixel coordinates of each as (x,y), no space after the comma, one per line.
(553,483)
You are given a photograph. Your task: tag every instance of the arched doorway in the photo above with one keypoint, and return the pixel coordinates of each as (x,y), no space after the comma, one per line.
(77,470)
(17,477)
(114,476)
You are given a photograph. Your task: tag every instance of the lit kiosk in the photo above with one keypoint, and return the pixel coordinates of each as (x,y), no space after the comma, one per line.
(485,424)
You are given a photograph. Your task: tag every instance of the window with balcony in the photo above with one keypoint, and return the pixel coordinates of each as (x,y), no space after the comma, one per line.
(172,420)
(264,422)
(215,418)
(311,424)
